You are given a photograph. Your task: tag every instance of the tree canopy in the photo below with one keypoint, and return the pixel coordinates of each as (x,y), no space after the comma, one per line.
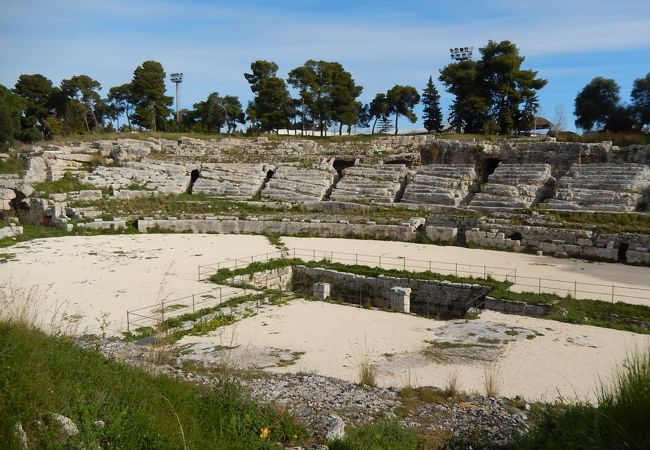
(270,109)
(327,92)
(493,93)
(401,100)
(11,110)
(596,103)
(152,106)
(641,101)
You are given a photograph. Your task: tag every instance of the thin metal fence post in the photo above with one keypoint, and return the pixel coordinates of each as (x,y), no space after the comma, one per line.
(575,289)
(356,259)
(612,293)
(404,264)
(515,275)
(485,272)
(128,328)
(192,303)
(539,288)
(456,269)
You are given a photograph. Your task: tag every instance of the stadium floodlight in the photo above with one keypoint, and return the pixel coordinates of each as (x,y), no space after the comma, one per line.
(177,78)
(461,53)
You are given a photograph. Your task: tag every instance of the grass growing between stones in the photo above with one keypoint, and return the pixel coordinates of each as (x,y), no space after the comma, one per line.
(380,435)
(68,183)
(40,374)
(618,421)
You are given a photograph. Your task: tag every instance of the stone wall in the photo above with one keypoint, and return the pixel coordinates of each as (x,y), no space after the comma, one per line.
(514,307)
(629,247)
(267,279)
(404,232)
(428,297)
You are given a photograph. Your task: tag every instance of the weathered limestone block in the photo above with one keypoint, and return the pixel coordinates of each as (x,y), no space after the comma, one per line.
(601,187)
(6,196)
(400,299)
(515,186)
(12,230)
(441,184)
(36,170)
(295,184)
(378,183)
(638,257)
(236,181)
(90,195)
(442,234)
(322,291)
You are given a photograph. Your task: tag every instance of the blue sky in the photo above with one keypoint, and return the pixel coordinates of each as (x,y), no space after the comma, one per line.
(380,42)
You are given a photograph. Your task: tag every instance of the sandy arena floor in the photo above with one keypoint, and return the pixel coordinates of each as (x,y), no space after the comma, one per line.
(93,276)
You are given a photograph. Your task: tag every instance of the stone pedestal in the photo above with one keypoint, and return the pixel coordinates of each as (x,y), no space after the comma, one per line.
(322,291)
(400,299)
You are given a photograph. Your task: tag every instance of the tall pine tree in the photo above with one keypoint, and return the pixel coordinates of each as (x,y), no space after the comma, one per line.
(432,116)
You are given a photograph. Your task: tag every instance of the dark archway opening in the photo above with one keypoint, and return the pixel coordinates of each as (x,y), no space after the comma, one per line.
(488,166)
(622,251)
(340,164)
(516,236)
(269,174)
(194,175)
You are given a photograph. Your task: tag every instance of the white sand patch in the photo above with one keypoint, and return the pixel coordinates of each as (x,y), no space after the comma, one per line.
(113,274)
(329,339)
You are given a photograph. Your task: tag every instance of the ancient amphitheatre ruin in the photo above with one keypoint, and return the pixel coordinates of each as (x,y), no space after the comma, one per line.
(386,231)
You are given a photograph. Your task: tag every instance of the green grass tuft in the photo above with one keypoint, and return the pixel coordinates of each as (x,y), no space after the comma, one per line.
(619,420)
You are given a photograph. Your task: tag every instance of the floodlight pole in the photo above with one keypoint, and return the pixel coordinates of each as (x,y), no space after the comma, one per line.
(177,79)
(459,54)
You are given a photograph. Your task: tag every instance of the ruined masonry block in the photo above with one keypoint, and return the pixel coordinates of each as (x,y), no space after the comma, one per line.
(400,299)
(322,291)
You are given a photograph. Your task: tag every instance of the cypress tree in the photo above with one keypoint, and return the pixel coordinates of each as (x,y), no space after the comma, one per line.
(432,116)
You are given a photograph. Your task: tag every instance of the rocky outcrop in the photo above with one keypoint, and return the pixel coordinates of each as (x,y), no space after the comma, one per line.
(441,184)
(164,178)
(602,187)
(294,184)
(234,181)
(515,186)
(371,183)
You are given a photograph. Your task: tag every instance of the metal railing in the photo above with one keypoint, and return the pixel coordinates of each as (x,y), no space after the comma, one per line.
(575,289)
(381,261)
(152,315)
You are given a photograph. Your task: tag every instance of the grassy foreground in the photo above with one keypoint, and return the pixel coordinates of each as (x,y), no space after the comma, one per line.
(40,374)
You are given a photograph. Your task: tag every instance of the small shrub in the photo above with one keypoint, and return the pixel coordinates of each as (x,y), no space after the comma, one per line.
(491,379)
(367,373)
(452,386)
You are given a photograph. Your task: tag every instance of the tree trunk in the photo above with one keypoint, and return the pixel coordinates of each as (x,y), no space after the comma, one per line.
(340,128)
(86,121)
(349,130)
(373,125)
(396,117)
(302,113)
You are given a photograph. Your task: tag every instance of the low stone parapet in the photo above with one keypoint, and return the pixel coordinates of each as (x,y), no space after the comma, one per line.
(323,229)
